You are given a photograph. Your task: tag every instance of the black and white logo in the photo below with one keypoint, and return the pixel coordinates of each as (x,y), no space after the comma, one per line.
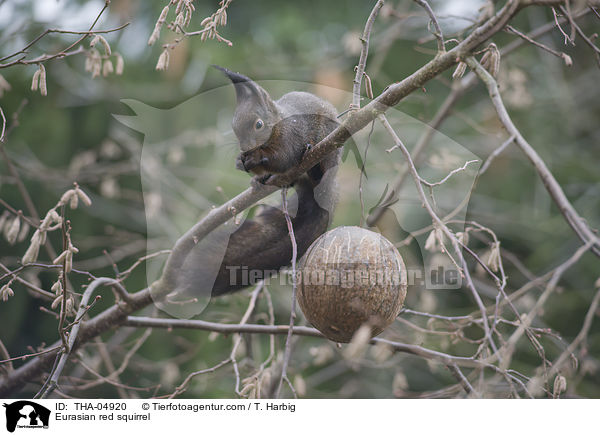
(26,414)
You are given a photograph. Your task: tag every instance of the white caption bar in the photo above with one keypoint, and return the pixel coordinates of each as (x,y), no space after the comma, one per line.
(153,416)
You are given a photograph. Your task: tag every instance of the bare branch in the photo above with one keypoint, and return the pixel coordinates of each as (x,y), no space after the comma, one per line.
(3,125)
(438,30)
(360,68)
(63,53)
(462,380)
(495,154)
(586,39)
(565,57)
(288,341)
(301,331)
(453,172)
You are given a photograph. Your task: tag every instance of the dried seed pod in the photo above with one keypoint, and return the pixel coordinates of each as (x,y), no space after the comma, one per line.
(33,250)
(491,60)
(459,71)
(6,292)
(23,232)
(300,385)
(43,88)
(61,258)
(159,23)
(56,302)
(3,219)
(560,385)
(120,64)
(4,85)
(163,60)
(351,277)
(35,80)
(179,22)
(12,230)
(493,260)
(66,197)
(84,197)
(74,201)
(463,237)
(57,287)
(107,68)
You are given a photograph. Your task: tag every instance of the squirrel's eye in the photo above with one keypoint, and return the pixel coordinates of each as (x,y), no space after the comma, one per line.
(259,124)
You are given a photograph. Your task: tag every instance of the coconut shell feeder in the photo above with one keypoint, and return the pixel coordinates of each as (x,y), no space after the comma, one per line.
(350,277)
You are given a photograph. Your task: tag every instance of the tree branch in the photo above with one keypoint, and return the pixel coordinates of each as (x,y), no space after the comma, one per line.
(438,30)
(360,68)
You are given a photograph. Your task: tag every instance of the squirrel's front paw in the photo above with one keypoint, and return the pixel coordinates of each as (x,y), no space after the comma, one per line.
(253,160)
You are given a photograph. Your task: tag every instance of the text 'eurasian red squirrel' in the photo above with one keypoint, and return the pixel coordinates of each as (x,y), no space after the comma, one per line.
(273,136)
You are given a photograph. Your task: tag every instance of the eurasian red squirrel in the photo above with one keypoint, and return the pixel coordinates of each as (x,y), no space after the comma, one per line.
(273,136)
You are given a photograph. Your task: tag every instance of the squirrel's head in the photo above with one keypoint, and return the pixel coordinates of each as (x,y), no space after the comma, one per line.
(255,114)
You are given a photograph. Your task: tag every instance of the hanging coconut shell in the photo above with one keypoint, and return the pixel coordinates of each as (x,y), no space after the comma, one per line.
(350,277)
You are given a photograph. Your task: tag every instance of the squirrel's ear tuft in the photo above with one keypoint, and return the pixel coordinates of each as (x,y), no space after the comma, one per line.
(245,88)
(235,78)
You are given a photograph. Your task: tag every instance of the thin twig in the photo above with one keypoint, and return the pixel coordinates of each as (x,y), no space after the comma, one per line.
(238,338)
(297,330)
(30,355)
(72,32)
(123,275)
(495,154)
(3,125)
(7,359)
(454,171)
(288,342)
(181,388)
(565,57)
(16,213)
(362,176)
(63,53)
(34,288)
(567,37)
(462,380)
(438,30)
(360,68)
(66,228)
(585,38)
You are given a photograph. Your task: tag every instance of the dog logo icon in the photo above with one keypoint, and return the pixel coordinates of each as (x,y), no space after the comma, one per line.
(26,414)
